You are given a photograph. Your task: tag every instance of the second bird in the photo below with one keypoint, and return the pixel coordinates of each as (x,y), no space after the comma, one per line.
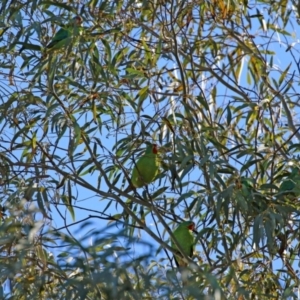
(185,238)
(63,37)
(146,168)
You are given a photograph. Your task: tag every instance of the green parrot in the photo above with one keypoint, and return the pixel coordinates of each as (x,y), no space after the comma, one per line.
(64,35)
(145,169)
(291,185)
(185,238)
(144,172)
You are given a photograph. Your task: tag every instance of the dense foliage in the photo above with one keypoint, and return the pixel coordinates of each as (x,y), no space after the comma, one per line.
(213,84)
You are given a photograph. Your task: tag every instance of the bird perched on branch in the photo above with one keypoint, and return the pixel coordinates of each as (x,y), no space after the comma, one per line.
(65,34)
(290,187)
(185,238)
(145,169)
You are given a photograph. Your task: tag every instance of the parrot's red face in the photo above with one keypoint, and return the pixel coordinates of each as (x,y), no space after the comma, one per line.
(154,149)
(191,226)
(78,20)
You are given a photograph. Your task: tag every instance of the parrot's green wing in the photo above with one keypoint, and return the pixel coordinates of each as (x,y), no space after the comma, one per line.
(290,186)
(64,35)
(146,168)
(144,171)
(60,36)
(185,238)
